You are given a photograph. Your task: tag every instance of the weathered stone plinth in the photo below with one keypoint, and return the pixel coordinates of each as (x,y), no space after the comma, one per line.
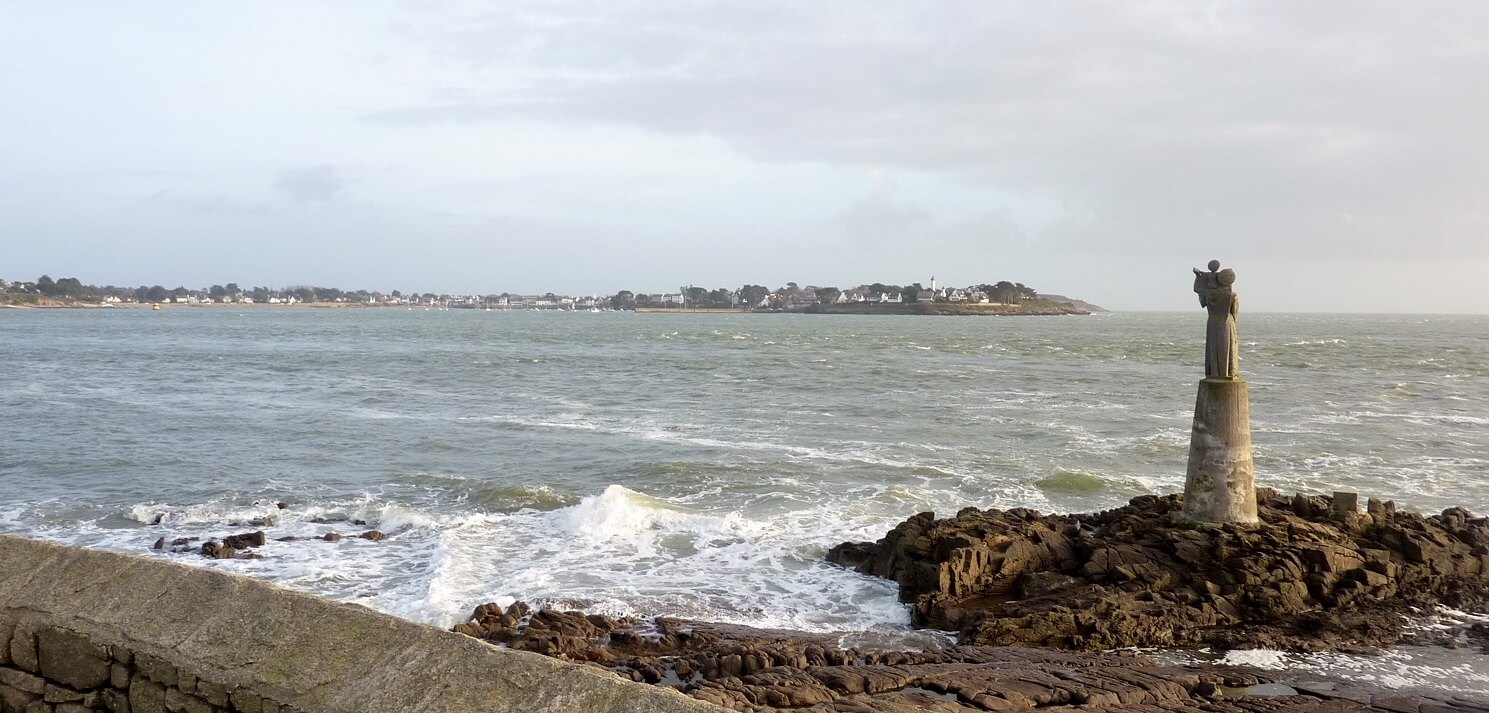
(1220,485)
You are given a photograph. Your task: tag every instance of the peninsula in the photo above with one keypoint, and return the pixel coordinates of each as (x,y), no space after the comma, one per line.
(997,298)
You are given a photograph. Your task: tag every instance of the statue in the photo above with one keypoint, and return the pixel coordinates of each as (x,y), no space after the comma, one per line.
(1220,485)
(1222,351)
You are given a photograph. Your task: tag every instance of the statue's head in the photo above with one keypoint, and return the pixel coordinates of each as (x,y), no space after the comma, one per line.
(1214,265)
(1226,277)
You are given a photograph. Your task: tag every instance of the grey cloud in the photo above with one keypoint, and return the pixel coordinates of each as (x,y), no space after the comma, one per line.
(215,205)
(877,218)
(1168,122)
(317,184)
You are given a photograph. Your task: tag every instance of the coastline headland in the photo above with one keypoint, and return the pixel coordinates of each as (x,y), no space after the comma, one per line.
(1034,308)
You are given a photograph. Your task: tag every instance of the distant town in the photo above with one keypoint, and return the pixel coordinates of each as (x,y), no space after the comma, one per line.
(70,291)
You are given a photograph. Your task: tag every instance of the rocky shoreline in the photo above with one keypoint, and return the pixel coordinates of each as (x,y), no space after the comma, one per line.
(1310,577)
(757,670)
(1040,601)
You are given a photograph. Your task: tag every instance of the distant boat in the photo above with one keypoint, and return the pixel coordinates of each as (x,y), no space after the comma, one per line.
(155,306)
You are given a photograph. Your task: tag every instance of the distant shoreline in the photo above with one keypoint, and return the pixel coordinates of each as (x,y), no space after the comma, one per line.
(691,310)
(198,305)
(1036,308)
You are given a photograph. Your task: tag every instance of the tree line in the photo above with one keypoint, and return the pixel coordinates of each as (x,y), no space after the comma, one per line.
(71,288)
(752,296)
(792,295)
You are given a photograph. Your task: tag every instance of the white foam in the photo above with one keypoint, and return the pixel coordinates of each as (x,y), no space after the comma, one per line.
(1260,658)
(619,551)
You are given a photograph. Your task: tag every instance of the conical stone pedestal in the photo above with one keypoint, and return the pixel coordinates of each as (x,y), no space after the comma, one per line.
(1220,485)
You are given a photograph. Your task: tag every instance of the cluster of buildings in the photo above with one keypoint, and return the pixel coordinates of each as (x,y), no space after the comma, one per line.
(510,301)
(789,297)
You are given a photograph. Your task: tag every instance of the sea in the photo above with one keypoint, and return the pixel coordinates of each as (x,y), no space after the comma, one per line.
(693,465)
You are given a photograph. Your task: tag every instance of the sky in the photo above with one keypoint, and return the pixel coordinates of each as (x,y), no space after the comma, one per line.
(1332,152)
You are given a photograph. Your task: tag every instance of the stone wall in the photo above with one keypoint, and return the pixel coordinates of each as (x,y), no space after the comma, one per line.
(84,630)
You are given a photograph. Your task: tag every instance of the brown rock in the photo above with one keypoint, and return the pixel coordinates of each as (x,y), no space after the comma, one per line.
(245,540)
(12,699)
(759,670)
(217,550)
(22,681)
(146,696)
(373,535)
(71,659)
(1140,578)
(23,647)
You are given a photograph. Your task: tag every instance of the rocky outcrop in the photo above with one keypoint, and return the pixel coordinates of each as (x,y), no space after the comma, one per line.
(1309,577)
(746,669)
(240,546)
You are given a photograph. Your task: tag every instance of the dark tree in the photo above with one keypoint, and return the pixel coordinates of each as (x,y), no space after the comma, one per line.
(1006,292)
(720,297)
(753,295)
(879,288)
(625,299)
(69,287)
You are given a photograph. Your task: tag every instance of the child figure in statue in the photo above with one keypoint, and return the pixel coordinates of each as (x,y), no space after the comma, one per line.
(1206,281)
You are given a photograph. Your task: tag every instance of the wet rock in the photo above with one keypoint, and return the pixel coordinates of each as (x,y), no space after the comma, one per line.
(282,504)
(245,540)
(217,550)
(179,545)
(745,669)
(331,537)
(159,544)
(1311,576)
(1042,584)
(373,535)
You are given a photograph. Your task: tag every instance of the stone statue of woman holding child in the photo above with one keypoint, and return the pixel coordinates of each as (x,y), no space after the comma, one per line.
(1222,353)
(1219,486)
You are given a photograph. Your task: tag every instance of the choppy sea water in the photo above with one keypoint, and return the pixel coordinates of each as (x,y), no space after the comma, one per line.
(689,465)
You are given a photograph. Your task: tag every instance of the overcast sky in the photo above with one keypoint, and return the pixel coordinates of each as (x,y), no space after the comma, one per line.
(1334,153)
